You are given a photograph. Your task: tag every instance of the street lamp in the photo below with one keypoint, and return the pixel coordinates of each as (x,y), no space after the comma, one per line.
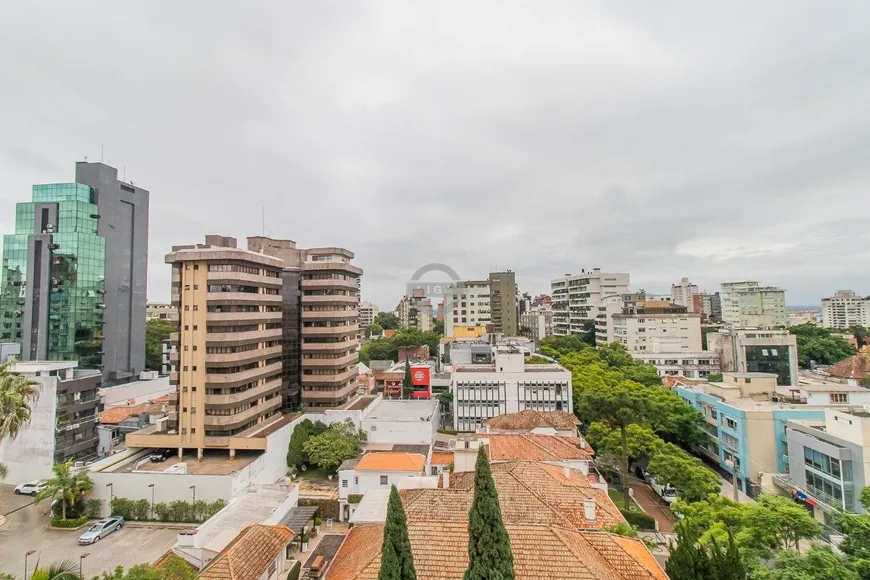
(82,557)
(151,485)
(26,554)
(193,487)
(111,492)
(733,467)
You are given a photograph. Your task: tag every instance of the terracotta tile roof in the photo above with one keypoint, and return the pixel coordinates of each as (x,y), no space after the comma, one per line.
(672,381)
(441,552)
(529,492)
(249,554)
(390,461)
(529,447)
(114,415)
(529,419)
(442,458)
(854,367)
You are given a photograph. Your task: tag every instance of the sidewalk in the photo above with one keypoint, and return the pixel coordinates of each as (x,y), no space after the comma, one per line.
(728,491)
(651,504)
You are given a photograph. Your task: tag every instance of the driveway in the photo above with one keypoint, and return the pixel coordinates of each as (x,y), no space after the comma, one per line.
(26,529)
(651,504)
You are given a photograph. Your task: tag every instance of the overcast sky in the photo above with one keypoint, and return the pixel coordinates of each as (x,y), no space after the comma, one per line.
(656,138)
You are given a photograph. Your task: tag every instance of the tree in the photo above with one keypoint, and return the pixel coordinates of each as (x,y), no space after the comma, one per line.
(339,442)
(776,523)
(157,331)
(820,563)
(173,567)
(296,455)
(688,560)
(687,474)
(407,383)
(18,395)
(70,486)
(856,545)
(588,335)
(63,570)
(715,377)
(726,564)
(399,563)
(489,548)
(374,330)
(819,345)
(438,326)
(387,320)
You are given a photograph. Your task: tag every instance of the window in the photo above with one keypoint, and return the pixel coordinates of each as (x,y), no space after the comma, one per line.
(839,398)
(343,483)
(383,480)
(356,480)
(730,423)
(434,470)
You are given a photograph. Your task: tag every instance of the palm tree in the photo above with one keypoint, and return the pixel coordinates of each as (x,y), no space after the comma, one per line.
(70,486)
(17,397)
(63,570)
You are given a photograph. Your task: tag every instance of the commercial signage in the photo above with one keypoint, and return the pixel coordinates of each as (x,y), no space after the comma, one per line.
(420,376)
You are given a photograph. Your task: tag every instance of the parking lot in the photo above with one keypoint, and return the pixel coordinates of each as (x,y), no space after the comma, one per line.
(27,529)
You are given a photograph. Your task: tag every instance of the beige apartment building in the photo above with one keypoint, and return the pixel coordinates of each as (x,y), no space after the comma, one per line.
(658,327)
(580,298)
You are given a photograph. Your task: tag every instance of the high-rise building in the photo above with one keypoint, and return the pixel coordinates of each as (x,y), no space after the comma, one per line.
(367,313)
(844,309)
(321,322)
(683,294)
(415,311)
(74,274)
(579,299)
(466,304)
(749,304)
(658,327)
(537,322)
(709,305)
(757,350)
(503,302)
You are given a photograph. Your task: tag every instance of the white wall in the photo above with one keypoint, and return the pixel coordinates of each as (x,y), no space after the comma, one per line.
(368,480)
(167,487)
(31,455)
(824,399)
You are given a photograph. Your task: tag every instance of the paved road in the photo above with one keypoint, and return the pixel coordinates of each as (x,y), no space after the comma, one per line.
(26,529)
(651,503)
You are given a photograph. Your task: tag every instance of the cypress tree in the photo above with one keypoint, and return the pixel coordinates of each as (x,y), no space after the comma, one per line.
(726,564)
(688,561)
(489,547)
(397,562)
(407,384)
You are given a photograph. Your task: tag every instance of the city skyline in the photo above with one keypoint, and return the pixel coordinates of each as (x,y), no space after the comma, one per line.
(655,141)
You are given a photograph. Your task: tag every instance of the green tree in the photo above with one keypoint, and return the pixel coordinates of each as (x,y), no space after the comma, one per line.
(588,334)
(296,456)
(776,523)
(725,562)
(489,547)
(387,320)
(339,442)
(537,360)
(856,545)
(374,330)
(715,377)
(438,326)
(18,395)
(407,383)
(688,560)
(70,486)
(819,345)
(820,563)
(687,474)
(63,570)
(157,331)
(400,563)
(378,349)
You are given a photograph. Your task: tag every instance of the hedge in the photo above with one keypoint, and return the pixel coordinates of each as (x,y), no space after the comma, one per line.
(642,520)
(94,507)
(176,511)
(354,498)
(58,522)
(294,570)
(326,508)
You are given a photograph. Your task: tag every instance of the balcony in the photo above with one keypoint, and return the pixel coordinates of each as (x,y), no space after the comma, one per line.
(244,416)
(249,317)
(236,398)
(224,379)
(326,284)
(332,395)
(330,314)
(242,357)
(330,330)
(248,336)
(243,297)
(329,346)
(332,378)
(329,299)
(351,358)
(236,277)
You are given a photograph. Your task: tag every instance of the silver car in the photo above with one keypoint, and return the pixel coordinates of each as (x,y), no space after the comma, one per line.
(101,529)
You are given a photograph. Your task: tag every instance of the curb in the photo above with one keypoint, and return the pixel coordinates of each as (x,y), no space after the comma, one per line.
(51,527)
(166,525)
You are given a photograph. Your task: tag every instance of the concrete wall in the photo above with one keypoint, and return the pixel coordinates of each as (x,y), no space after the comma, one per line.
(31,455)
(368,480)
(824,399)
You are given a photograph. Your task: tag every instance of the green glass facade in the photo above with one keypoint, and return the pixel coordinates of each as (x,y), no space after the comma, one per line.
(77,274)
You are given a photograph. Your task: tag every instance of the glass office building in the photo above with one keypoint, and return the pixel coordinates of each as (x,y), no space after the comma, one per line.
(54,271)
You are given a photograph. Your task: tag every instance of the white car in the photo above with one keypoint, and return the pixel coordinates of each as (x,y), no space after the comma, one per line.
(30,488)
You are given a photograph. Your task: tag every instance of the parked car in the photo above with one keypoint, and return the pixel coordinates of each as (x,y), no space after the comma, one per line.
(666,491)
(30,488)
(161,455)
(642,473)
(101,529)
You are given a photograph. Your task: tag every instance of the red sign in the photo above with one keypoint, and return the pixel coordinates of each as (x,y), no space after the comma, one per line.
(420,376)
(393,388)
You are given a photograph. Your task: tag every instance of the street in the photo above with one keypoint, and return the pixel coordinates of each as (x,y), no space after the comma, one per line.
(647,499)
(27,529)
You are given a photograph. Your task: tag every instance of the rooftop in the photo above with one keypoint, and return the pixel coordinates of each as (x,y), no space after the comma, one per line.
(136,392)
(398,410)
(529,447)
(254,505)
(372,508)
(360,404)
(490,368)
(529,419)
(249,555)
(853,367)
(115,415)
(42,366)
(391,461)
(214,462)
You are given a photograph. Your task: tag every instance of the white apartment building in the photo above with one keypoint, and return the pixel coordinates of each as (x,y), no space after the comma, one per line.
(749,304)
(466,304)
(579,298)
(683,293)
(658,327)
(415,312)
(482,391)
(844,309)
(692,365)
(604,329)
(539,321)
(161,311)
(367,313)
(376,470)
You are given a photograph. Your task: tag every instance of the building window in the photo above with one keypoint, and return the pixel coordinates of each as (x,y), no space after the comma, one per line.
(730,423)
(343,483)
(839,398)
(383,480)
(356,480)
(196,266)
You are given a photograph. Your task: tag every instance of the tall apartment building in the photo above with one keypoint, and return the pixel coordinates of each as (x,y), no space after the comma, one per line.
(161,311)
(749,304)
(580,298)
(709,305)
(503,302)
(538,322)
(466,304)
(321,321)
(844,309)
(756,350)
(64,420)
(658,327)
(684,293)
(508,385)
(415,311)
(367,313)
(74,274)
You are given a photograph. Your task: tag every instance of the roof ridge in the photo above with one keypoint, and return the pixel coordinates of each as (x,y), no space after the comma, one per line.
(532,492)
(617,541)
(528,437)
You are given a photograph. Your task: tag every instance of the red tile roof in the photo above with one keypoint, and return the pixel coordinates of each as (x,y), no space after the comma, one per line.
(391,461)
(529,447)
(249,555)
(529,419)
(442,458)
(854,367)
(114,415)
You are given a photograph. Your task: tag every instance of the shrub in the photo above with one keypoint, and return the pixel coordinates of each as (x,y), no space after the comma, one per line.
(176,511)
(326,508)
(123,507)
(58,522)
(642,520)
(93,507)
(141,509)
(447,431)
(354,498)
(294,570)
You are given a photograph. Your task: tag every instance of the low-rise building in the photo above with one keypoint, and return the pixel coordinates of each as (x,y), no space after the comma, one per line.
(483,391)
(757,350)
(258,553)
(161,311)
(377,470)
(63,425)
(559,423)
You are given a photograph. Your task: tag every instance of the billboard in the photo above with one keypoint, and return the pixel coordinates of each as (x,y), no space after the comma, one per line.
(420,376)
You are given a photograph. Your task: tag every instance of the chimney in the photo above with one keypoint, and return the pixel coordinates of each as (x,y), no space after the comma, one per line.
(582,443)
(589,509)
(566,471)
(446,479)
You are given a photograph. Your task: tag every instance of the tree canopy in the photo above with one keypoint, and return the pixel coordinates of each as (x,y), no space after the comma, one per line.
(387,320)
(70,486)
(819,345)
(339,442)
(296,455)
(157,331)
(18,395)
(387,348)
